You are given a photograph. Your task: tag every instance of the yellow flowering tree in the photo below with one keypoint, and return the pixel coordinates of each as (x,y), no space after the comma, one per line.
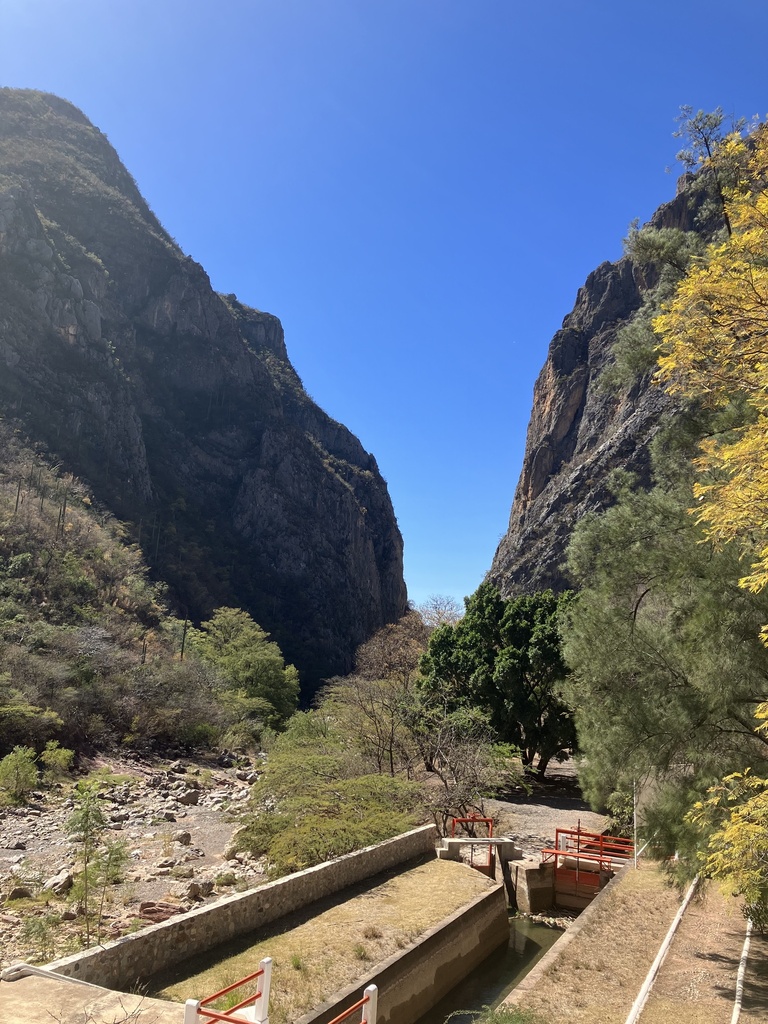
(735,814)
(714,348)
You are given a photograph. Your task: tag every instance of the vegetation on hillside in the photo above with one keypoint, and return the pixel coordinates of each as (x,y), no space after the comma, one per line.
(88,652)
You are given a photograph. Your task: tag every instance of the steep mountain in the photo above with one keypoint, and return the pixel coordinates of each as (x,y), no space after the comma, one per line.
(580,430)
(179,406)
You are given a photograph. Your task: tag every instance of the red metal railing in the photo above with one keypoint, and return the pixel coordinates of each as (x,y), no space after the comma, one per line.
(590,845)
(368,1004)
(194,1009)
(584,860)
(488,868)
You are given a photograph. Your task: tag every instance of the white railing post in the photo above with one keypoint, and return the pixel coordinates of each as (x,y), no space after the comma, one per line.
(190,1011)
(261,1006)
(370,1009)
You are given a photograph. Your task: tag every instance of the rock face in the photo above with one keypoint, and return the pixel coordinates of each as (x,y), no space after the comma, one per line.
(179,406)
(579,432)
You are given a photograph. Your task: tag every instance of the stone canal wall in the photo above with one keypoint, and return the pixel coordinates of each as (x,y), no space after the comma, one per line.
(124,962)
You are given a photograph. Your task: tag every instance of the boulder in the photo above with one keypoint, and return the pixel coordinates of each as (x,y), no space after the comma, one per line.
(61,883)
(19,892)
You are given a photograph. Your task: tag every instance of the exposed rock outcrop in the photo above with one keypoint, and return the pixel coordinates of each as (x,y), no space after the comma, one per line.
(179,406)
(579,431)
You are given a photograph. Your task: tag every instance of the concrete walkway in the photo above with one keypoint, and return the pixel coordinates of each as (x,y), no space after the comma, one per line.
(49,1000)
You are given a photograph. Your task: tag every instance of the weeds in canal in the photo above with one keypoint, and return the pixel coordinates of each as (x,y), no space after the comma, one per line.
(502,1015)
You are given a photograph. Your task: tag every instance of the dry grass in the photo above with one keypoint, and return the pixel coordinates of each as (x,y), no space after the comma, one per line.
(698,979)
(315,956)
(596,978)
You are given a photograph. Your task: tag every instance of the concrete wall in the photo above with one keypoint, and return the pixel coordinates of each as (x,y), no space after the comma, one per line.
(534,884)
(411,982)
(121,964)
(583,921)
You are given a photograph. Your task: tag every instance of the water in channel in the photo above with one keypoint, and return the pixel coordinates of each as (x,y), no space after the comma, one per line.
(497,975)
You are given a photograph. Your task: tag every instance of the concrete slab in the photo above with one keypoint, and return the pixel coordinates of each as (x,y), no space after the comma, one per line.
(50,1000)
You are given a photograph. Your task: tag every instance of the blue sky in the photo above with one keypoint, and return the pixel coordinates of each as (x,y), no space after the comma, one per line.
(417,188)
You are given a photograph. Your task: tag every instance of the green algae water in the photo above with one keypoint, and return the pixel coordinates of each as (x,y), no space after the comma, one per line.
(497,975)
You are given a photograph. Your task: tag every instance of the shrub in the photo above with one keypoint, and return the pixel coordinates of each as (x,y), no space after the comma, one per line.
(57,760)
(18,774)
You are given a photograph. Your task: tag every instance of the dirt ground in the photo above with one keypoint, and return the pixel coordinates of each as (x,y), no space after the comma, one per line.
(697,981)
(554,802)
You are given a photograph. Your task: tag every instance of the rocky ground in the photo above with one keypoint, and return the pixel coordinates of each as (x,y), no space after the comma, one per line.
(177,819)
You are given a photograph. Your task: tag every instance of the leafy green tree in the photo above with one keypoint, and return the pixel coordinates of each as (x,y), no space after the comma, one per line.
(253,664)
(18,773)
(505,657)
(57,760)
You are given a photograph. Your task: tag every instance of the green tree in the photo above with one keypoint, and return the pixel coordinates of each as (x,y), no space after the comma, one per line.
(253,664)
(86,825)
(57,760)
(505,656)
(18,773)
(704,135)
(666,664)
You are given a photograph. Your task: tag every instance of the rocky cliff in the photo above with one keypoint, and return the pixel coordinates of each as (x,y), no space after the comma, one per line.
(180,406)
(579,430)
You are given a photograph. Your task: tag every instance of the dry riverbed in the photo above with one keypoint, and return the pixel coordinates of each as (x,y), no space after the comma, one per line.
(176,819)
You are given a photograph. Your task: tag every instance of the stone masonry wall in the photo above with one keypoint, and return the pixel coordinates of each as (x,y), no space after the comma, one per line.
(133,958)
